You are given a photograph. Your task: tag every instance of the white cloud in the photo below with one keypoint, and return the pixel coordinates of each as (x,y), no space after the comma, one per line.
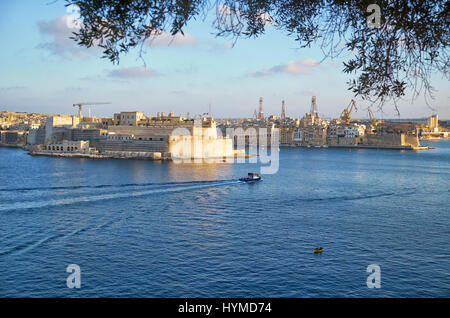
(165,39)
(60,31)
(133,72)
(300,67)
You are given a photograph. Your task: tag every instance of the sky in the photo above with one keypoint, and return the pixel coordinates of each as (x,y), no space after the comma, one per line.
(43,71)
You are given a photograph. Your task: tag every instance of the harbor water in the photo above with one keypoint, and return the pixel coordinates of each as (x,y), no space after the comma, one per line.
(141,228)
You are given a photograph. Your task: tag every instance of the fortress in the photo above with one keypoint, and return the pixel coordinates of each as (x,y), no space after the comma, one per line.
(132,134)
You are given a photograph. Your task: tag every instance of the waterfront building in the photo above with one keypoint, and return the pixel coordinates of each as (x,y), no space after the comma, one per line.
(286,135)
(298,136)
(11,137)
(172,136)
(62,127)
(315,135)
(59,124)
(354,131)
(69,146)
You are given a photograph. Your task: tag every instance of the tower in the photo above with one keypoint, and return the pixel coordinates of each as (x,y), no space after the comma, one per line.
(261,111)
(314,107)
(433,123)
(283,110)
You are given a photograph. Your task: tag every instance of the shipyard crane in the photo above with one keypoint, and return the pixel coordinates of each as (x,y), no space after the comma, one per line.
(373,120)
(346,114)
(80,107)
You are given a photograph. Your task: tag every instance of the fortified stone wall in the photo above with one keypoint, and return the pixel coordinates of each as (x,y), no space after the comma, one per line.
(145,133)
(131,145)
(87,134)
(411,140)
(384,140)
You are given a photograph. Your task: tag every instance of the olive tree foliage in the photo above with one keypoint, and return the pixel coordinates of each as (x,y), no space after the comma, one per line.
(410,44)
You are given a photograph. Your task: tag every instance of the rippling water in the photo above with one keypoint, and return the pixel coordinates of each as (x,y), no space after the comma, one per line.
(159,229)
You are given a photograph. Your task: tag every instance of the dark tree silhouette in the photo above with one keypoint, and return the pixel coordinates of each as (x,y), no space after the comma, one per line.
(410,44)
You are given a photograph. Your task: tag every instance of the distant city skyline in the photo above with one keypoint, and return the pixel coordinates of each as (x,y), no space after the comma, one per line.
(45,72)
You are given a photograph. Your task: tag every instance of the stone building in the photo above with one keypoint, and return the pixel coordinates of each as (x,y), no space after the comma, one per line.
(69,146)
(128,118)
(172,136)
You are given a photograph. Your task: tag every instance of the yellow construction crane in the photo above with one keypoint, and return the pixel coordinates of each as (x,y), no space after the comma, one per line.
(346,114)
(80,107)
(373,120)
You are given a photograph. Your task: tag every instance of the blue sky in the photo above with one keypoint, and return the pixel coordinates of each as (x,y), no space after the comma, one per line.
(43,71)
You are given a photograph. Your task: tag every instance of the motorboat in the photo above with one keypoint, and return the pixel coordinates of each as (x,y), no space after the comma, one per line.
(251,178)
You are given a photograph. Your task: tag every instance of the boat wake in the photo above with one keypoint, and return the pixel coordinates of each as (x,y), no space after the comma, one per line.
(103,186)
(31,244)
(120,191)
